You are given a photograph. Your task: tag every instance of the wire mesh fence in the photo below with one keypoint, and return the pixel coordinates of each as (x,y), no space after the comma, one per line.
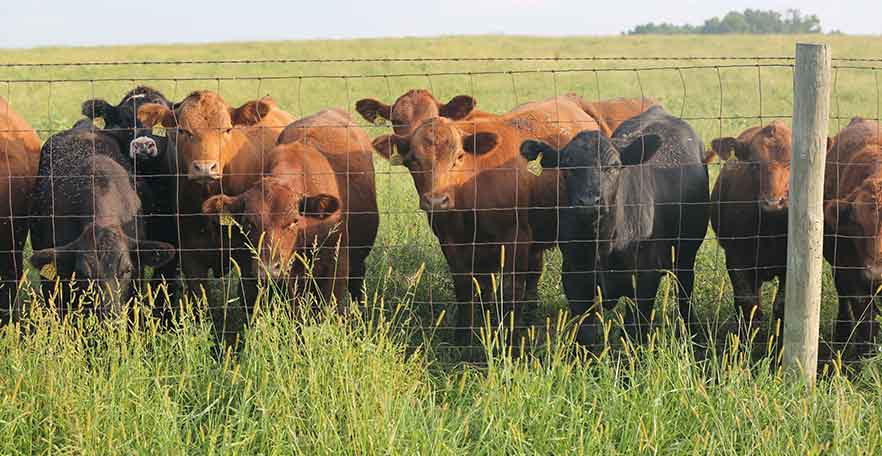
(338,170)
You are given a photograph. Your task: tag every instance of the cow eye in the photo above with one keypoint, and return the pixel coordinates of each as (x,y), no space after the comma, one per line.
(228,130)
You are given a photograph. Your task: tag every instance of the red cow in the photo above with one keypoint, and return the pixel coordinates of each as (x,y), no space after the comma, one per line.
(218,149)
(19,158)
(749,213)
(318,202)
(853,245)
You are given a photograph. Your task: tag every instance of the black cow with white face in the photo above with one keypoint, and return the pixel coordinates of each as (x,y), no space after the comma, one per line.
(152,163)
(85,219)
(638,209)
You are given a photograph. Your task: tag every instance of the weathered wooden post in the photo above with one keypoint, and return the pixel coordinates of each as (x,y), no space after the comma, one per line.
(811,107)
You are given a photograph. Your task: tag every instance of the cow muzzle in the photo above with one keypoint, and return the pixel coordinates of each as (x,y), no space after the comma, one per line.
(873,273)
(774,204)
(204,170)
(589,202)
(143,148)
(435,202)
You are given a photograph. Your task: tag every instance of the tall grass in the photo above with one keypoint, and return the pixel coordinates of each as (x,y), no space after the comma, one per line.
(308,383)
(380,380)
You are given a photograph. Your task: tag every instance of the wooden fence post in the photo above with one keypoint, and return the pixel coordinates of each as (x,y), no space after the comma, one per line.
(811,108)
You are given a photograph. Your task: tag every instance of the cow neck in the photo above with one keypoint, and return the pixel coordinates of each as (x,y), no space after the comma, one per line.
(247,164)
(631,211)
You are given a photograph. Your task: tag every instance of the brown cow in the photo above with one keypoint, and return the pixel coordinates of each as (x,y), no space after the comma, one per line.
(218,149)
(749,213)
(318,194)
(416,106)
(609,114)
(479,197)
(853,241)
(19,158)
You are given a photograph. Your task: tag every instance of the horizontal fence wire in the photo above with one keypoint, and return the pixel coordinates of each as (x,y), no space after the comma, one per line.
(734,271)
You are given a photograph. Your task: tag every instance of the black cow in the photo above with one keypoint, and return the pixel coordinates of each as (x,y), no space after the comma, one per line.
(638,208)
(151,164)
(85,218)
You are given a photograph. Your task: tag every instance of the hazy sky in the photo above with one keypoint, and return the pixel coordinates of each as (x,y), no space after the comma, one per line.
(104,22)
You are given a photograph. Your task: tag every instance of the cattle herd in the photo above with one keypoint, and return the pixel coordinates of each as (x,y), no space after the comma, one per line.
(195,188)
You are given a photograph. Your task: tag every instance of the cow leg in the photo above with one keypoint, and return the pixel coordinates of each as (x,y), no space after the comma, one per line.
(745,287)
(10,271)
(776,330)
(864,312)
(357,268)
(226,316)
(332,285)
(166,276)
(638,320)
(459,261)
(580,287)
(684,271)
(534,274)
(514,281)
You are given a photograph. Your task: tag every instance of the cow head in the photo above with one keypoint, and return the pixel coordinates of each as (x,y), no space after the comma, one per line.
(202,130)
(767,150)
(280,221)
(122,120)
(413,108)
(440,157)
(591,165)
(105,256)
(858,219)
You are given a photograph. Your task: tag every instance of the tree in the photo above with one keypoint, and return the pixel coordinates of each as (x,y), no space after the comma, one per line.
(748,21)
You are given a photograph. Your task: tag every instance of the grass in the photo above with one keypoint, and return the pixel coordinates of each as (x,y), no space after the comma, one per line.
(378,382)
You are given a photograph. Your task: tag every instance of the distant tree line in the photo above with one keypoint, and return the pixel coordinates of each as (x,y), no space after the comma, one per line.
(749,21)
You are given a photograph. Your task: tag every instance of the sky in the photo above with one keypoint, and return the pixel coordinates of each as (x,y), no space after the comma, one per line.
(33,23)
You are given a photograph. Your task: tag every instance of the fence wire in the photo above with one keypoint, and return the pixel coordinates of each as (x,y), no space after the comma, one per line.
(503,240)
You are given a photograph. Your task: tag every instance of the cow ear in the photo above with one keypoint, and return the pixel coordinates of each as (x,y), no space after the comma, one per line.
(97,107)
(640,150)
(480,143)
(531,149)
(252,112)
(221,204)
(855,120)
(724,147)
(372,110)
(152,253)
(458,108)
(152,114)
(319,206)
(392,146)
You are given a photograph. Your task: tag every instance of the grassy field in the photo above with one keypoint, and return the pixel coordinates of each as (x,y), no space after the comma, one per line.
(378,385)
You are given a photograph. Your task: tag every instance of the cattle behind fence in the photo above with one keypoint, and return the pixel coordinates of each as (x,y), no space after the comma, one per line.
(718,97)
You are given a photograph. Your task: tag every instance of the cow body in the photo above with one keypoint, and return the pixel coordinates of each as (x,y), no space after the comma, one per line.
(853,230)
(85,218)
(19,157)
(218,149)
(749,214)
(609,114)
(636,199)
(318,203)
